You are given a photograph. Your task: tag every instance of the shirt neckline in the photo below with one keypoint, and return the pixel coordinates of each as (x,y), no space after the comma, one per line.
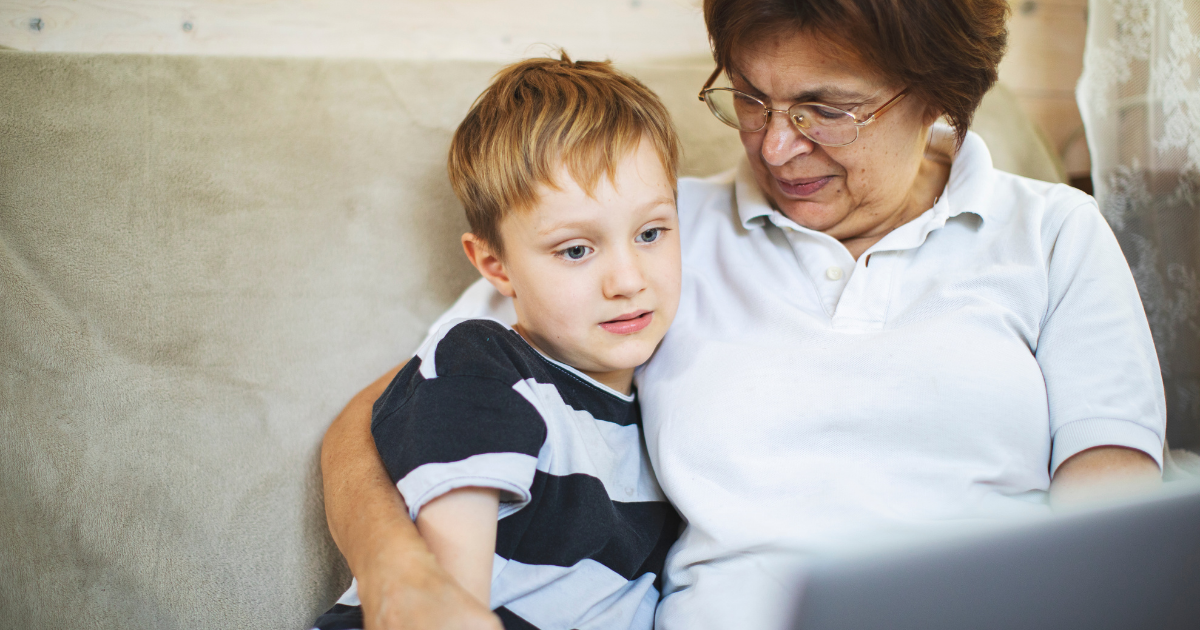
(574,371)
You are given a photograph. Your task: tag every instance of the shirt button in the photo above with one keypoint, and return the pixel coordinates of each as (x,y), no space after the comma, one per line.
(833,273)
(629,491)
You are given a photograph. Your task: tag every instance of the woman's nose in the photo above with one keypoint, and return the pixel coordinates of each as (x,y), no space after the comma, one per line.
(782,141)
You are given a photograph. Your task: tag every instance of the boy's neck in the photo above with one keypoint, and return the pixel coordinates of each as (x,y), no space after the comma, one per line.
(621,380)
(618,380)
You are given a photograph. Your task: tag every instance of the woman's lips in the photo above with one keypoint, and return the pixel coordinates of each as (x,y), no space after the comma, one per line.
(629,323)
(803,187)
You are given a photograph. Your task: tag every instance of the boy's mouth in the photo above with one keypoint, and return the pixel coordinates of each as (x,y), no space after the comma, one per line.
(628,323)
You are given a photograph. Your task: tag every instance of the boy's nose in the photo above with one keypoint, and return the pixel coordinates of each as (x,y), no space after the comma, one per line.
(625,277)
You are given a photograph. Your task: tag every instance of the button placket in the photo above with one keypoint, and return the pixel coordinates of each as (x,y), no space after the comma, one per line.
(868,295)
(835,289)
(865,299)
(819,261)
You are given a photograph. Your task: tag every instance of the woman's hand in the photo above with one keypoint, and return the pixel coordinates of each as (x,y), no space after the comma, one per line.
(412,592)
(1104,472)
(400,583)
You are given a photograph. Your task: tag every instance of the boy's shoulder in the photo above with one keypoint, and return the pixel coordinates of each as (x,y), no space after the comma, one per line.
(478,348)
(481,348)
(465,365)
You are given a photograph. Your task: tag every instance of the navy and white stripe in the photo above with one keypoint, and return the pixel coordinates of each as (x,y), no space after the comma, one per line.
(584,527)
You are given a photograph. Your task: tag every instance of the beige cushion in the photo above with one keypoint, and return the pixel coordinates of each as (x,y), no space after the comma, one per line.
(1017,145)
(201,260)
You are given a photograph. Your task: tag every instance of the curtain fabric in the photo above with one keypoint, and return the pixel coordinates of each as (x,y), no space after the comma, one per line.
(1140,100)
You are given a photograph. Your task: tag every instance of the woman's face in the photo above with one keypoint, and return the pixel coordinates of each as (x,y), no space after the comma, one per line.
(847,192)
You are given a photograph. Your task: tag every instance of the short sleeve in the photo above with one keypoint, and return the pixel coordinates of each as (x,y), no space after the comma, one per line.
(1095,349)
(465,426)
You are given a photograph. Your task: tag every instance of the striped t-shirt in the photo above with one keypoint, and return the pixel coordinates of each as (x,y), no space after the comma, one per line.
(584,527)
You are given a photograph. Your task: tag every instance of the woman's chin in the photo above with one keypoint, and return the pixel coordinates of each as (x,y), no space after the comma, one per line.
(812,214)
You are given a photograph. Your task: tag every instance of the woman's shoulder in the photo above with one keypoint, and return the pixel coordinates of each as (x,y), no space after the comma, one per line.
(1060,225)
(700,194)
(1008,200)
(1047,204)
(707,209)
(1057,195)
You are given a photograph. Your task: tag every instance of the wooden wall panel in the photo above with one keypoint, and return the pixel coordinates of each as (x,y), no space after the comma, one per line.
(1042,66)
(414,29)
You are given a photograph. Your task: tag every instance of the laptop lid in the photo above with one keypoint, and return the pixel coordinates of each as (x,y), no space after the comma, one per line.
(1130,566)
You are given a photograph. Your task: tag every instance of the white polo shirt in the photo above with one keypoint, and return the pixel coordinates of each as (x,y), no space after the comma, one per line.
(803,399)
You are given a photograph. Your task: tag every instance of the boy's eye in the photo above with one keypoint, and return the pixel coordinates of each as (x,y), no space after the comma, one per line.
(576,252)
(649,236)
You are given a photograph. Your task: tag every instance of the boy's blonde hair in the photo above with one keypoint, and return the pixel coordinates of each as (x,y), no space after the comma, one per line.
(541,114)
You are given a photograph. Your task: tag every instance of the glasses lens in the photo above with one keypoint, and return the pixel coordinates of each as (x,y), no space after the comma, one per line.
(736,110)
(823,124)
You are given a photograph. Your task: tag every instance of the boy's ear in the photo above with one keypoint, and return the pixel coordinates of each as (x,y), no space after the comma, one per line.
(489,264)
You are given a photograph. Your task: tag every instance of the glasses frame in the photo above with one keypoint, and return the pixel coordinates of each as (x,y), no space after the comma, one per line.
(858,124)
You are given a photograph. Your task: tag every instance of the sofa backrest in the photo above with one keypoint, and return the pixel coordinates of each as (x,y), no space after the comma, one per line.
(201,260)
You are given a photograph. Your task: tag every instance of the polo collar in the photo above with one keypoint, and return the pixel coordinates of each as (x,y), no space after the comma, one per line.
(968,190)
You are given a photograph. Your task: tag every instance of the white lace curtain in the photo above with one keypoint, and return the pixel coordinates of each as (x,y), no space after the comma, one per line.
(1140,100)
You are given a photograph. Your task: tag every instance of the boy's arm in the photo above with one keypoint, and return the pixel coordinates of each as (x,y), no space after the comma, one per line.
(460,529)
(400,583)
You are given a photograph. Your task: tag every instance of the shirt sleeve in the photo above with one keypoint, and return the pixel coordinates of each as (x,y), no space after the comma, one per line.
(1095,349)
(464,427)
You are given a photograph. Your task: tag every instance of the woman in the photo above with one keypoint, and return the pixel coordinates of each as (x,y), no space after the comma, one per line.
(869,338)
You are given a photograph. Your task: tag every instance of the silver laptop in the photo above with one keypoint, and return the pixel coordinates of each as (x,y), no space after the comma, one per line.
(1133,566)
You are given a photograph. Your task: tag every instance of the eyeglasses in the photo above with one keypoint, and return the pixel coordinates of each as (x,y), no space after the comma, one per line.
(823,124)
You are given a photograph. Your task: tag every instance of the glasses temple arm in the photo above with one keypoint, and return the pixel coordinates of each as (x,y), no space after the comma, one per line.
(711,79)
(882,110)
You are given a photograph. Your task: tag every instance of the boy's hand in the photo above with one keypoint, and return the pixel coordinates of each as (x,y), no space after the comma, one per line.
(414,593)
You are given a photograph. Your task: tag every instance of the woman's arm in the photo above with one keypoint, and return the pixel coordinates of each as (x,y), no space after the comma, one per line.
(1103,384)
(400,583)
(1104,472)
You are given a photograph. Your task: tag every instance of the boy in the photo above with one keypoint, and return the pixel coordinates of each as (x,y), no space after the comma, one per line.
(519,451)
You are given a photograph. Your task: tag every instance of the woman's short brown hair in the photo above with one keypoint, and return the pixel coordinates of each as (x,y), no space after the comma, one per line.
(945,51)
(540,115)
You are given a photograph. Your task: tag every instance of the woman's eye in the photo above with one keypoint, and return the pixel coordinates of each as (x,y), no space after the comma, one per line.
(828,113)
(649,236)
(575,253)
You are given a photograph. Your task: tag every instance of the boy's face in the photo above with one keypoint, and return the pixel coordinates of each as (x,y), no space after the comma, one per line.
(595,279)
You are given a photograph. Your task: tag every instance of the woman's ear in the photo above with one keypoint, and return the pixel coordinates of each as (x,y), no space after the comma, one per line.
(932,114)
(490,266)
(941,145)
